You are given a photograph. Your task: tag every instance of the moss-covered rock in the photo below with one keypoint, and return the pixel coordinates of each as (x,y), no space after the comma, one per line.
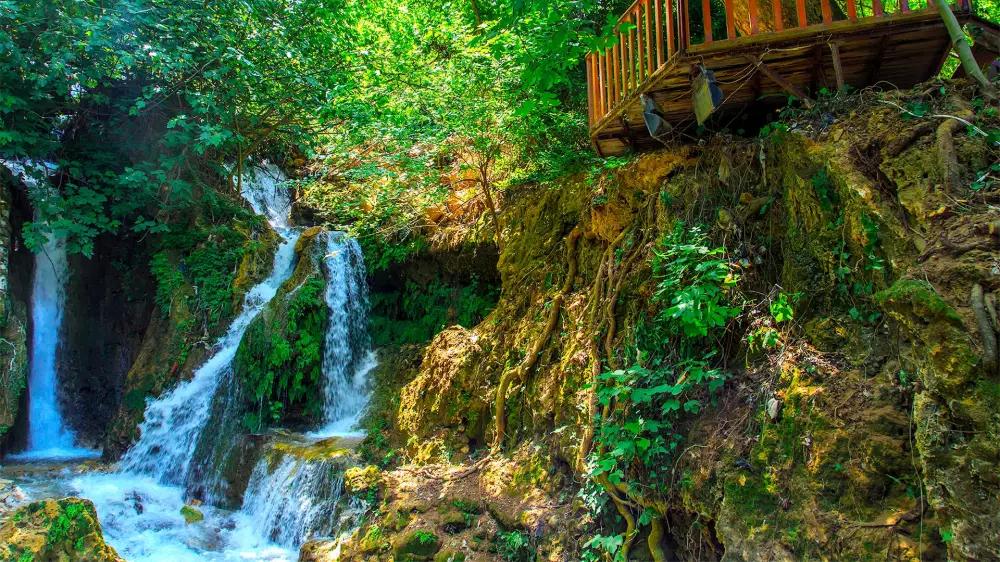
(63,530)
(192,514)
(279,360)
(416,545)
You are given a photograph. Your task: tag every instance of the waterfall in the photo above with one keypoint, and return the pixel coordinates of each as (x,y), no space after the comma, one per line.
(139,505)
(295,500)
(347,354)
(48,436)
(173,423)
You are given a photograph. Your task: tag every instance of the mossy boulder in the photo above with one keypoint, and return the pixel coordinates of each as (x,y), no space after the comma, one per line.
(416,546)
(192,514)
(279,360)
(362,480)
(65,530)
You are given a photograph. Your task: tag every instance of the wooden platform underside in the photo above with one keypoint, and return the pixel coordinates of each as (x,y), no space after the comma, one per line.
(900,51)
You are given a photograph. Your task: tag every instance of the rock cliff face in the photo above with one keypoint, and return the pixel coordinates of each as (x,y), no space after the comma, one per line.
(865,428)
(14,283)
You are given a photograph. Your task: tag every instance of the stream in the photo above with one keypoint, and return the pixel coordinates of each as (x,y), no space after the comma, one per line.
(289,498)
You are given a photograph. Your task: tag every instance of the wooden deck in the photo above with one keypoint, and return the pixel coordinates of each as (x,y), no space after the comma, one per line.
(765,55)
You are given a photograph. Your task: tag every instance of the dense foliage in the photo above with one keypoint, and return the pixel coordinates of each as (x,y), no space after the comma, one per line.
(280,359)
(672,375)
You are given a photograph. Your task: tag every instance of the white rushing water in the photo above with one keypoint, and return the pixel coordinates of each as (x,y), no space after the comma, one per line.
(288,499)
(48,436)
(347,354)
(139,506)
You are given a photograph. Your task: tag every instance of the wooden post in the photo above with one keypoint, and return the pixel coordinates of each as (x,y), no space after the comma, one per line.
(779,19)
(631,60)
(754,11)
(838,70)
(800,8)
(659,32)
(685,15)
(852,10)
(904,6)
(730,21)
(827,11)
(671,28)
(706,19)
(877,10)
(649,38)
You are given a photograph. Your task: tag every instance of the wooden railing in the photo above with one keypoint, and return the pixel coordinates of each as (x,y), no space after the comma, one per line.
(652,32)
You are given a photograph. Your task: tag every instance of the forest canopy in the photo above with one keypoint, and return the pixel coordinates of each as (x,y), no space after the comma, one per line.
(139,106)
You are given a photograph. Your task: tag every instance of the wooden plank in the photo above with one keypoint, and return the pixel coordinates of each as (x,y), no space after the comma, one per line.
(706,19)
(800,7)
(784,83)
(779,19)
(659,31)
(754,12)
(827,11)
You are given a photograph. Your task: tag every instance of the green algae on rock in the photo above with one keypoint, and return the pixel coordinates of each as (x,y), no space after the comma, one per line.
(63,530)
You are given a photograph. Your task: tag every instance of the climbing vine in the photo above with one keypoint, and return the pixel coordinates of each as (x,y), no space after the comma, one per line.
(671,375)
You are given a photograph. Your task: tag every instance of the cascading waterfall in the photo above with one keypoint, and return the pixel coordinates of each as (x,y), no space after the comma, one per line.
(48,436)
(174,422)
(138,505)
(347,354)
(295,499)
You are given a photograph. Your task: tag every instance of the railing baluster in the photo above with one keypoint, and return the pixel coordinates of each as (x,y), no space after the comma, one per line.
(631,60)
(800,8)
(685,14)
(605,87)
(640,66)
(754,11)
(730,21)
(877,10)
(613,73)
(779,19)
(904,6)
(827,12)
(671,30)
(659,32)
(852,10)
(591,98)
(930,4)
(649,38)
(706,19)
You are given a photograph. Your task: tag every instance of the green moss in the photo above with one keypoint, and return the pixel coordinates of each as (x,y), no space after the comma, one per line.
(416,545)
(921,295)
(419,311)
(279,361)
(191,515)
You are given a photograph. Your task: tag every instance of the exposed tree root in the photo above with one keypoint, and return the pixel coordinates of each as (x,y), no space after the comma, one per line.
(951,172)
(655,540)
(528,363)
(986,331)
(906,139)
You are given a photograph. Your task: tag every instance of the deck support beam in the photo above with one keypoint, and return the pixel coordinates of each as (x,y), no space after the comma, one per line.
(782,81)
(838,70)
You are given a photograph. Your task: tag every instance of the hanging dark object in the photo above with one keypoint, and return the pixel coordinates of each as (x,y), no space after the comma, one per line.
(656,122)
(707,94)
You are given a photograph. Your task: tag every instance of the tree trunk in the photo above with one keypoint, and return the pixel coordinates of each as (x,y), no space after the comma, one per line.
(963,49)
